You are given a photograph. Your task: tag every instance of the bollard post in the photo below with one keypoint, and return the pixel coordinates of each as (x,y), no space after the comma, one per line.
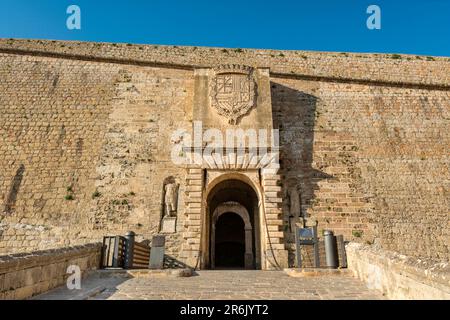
(330,249)
(341,250)
(129,249)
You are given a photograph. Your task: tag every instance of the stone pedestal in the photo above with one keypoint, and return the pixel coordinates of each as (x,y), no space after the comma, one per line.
(157,252)
(169,225)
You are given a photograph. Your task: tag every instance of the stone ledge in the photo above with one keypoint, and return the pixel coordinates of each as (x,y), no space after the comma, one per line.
(144,273)
(38,258)
(315,272)
(399,276)
(27,274)
(282,63)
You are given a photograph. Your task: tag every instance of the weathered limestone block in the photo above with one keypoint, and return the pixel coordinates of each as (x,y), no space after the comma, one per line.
(25,275)
(399,276)
(32,276)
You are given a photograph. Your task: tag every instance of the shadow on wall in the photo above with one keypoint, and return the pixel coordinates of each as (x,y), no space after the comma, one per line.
(294,114)
(10,201)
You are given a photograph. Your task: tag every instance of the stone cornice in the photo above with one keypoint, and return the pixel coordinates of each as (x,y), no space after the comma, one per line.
(377,69)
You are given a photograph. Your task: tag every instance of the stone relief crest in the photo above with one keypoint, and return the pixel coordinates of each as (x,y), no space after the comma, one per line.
(233,91)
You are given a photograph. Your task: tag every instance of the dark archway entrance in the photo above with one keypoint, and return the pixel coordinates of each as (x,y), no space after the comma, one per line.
(230,241)
(233,226)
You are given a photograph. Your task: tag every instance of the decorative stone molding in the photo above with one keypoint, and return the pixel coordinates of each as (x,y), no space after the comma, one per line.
(233,91)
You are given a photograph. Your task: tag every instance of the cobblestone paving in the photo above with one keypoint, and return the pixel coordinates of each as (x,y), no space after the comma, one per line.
(226,285)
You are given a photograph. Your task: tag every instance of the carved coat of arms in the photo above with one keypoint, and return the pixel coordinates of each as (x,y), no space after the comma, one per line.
(233,91)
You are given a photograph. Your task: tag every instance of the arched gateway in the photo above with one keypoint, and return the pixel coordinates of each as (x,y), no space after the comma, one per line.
(232,205)
(232,226)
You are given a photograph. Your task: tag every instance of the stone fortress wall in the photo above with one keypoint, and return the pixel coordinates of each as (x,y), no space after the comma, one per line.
(85,141)
(24,275)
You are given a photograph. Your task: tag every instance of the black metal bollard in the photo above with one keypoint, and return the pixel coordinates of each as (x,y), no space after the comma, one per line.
(331,253)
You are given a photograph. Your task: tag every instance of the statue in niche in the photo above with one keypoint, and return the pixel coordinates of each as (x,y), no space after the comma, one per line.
(170,198)
(294,202)
(294,205)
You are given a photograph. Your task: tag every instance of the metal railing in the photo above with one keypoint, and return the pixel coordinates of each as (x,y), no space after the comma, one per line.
(141,256)
(124,252)
(113,252)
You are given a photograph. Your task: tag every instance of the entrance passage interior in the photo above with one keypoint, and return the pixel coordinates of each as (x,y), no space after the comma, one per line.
(230,241)
(233,226)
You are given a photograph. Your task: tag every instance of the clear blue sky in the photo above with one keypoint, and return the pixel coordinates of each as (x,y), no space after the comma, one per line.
(413,26)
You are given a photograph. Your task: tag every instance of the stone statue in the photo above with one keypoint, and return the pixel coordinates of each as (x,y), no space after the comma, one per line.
(170,199)
(294,202)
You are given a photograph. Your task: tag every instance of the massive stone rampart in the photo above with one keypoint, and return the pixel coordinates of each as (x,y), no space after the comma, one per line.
(85,140)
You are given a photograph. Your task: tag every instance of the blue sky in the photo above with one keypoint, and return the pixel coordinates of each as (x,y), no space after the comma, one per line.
(414,26)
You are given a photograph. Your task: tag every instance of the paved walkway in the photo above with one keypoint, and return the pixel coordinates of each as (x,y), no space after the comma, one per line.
(225,285)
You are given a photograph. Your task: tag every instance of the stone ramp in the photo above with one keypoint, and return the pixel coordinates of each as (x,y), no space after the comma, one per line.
(218,285)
